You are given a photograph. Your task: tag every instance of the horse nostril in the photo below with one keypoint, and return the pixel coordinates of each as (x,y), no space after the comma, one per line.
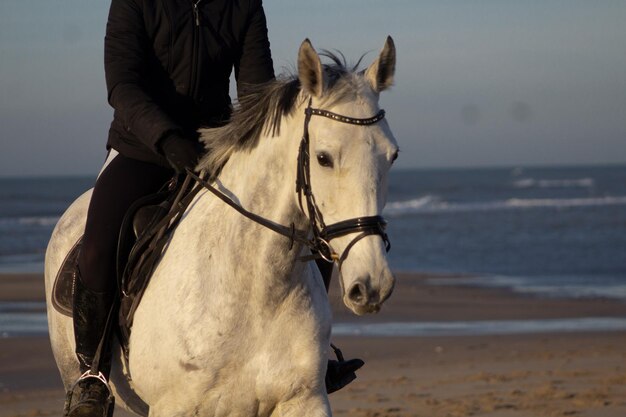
(358,293)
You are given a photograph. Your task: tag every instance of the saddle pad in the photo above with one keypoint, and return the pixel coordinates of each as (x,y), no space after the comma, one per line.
(63,288)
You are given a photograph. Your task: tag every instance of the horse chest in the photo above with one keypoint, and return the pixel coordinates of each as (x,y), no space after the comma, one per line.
(260,353)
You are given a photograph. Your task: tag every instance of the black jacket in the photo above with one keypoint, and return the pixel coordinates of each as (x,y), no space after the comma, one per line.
(168,62)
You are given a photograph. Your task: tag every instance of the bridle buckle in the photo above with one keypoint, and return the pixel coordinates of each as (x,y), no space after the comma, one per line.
(325,251)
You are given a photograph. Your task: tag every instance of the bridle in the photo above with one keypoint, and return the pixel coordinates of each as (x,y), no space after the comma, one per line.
(323,234)
(319,244)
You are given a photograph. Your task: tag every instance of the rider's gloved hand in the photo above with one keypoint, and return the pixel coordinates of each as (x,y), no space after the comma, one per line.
(180,153)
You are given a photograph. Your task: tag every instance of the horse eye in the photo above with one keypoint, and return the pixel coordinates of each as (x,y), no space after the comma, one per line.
(324,160)
(394,156)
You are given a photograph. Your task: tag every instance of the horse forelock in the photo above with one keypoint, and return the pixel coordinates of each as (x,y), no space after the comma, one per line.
(262,108)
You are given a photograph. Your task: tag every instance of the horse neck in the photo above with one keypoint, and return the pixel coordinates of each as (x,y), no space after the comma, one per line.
(263,181)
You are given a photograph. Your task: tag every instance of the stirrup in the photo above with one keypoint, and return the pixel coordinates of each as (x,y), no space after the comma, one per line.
(109,405)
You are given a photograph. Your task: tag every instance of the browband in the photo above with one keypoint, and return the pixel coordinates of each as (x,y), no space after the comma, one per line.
(345,119)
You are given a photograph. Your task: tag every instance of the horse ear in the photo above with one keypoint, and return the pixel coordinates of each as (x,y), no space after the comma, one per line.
(380,73)
(310,70)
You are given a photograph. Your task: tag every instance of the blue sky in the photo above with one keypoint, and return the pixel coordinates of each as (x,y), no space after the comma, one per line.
(479,83)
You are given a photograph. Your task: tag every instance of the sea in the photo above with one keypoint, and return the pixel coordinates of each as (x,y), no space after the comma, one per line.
(551,232)
(558,231)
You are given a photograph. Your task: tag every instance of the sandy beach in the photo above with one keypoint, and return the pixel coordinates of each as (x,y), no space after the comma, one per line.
(580,373)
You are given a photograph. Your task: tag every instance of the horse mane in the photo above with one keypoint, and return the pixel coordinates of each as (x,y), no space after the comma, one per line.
(262,107)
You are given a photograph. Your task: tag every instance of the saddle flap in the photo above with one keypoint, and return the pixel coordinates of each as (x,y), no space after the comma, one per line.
(63,288)
(138,218)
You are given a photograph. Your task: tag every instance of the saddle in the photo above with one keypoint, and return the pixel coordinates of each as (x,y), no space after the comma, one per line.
(145,230)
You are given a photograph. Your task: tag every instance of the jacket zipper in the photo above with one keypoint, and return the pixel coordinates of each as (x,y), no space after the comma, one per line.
(195,46)
(196,12)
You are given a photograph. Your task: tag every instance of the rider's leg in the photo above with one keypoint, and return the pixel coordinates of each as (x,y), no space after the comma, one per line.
(122,182)
(339,373)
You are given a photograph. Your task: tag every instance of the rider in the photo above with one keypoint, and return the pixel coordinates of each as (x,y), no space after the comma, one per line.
(167,68)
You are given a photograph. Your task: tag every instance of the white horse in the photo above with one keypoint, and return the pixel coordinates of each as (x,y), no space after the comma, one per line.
(232,323)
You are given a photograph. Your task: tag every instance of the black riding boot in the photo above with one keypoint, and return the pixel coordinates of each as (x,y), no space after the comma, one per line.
(339,373)
(91,396)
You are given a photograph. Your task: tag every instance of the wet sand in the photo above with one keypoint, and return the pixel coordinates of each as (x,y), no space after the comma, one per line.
(534,375)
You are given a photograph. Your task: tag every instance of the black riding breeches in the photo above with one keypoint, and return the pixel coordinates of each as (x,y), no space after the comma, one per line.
(122,182)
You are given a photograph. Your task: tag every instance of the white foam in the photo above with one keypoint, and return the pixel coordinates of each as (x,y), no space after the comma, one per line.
(480,327)
(39,221)
(575,291)
(554,183)
(528,286)
(433,204)
(564,202)
(413,205)
(30,221)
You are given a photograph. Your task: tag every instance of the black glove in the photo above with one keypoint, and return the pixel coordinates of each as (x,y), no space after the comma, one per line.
(180,153)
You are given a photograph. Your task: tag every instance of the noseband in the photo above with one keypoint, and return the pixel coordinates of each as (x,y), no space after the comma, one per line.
(323,234)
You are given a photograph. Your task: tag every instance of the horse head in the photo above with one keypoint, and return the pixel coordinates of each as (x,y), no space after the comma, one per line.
(350,152)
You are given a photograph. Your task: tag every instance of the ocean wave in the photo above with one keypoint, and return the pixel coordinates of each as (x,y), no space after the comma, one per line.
(416,204)
(29,221)
(480,327)
(433,204)
(565,202)
(539,286)
(575,291)
(563,183)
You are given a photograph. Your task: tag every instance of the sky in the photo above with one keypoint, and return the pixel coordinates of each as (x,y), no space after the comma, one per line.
(478,83)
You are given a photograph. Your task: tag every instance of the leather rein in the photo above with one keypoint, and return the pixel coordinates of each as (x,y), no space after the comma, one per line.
(319,243)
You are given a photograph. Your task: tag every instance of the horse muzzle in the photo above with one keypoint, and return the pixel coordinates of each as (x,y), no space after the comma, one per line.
(363,297)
